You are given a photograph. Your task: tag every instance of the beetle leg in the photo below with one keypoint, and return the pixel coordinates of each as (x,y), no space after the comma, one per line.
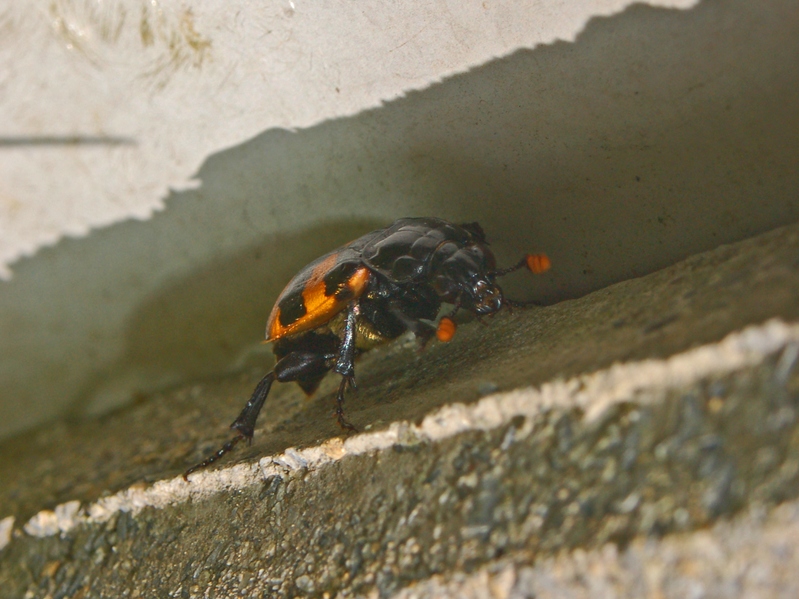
(345,363)
(423,331)
(226,448)
(342,420)
(292,367)
(244,424)
(346,351)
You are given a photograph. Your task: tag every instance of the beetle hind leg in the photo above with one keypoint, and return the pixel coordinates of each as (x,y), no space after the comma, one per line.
(244,424)
(226,448)
(301,366)
(304,367)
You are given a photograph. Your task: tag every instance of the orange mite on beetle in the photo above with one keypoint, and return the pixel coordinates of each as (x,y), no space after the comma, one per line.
(370,291)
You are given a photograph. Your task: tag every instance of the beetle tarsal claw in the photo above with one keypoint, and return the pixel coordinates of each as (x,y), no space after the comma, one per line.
(226,448)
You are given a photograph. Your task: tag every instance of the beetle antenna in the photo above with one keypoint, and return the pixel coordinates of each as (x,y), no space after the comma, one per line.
(535,263)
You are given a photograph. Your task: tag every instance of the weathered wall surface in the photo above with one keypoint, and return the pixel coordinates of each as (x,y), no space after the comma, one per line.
(106,106)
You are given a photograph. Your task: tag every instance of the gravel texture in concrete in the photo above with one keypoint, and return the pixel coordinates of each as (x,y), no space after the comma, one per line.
(753,556)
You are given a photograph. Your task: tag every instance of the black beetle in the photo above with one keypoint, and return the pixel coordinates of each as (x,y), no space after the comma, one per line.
(370,291)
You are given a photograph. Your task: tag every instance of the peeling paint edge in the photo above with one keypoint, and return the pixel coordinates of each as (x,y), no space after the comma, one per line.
(6,528)
(593,393)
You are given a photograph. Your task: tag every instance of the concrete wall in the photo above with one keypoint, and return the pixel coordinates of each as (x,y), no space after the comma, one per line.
(166,169)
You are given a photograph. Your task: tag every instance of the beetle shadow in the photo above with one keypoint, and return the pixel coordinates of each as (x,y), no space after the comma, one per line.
(213,320)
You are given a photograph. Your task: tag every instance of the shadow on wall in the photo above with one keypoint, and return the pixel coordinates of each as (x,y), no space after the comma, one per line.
(656,134)
(213,319)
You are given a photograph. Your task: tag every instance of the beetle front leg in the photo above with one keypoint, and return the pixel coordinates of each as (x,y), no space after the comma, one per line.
(423,331)
(345,363)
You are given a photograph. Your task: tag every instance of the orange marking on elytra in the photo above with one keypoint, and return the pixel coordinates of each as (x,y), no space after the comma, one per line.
(319,307)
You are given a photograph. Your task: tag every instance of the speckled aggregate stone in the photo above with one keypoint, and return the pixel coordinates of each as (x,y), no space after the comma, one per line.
(754,556)
(536,501)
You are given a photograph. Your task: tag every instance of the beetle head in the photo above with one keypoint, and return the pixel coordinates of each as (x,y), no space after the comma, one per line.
(464,278)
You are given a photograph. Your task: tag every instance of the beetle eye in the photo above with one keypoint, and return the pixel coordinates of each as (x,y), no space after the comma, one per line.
(487,297)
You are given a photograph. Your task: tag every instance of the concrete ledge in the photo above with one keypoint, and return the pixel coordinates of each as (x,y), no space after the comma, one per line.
(753,555)
(632,418)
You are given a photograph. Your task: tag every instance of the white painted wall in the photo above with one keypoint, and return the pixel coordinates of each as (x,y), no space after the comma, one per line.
(285,128)
(133,95)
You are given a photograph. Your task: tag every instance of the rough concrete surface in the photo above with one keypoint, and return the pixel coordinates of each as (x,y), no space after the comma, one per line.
(639,441)
(753,556)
